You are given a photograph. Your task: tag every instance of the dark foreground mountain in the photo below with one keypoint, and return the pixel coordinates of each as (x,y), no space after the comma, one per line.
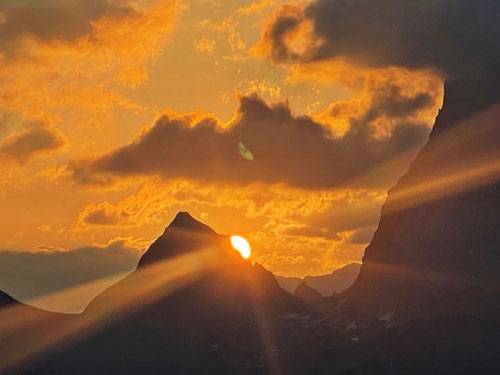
(205,310)
(437,248)
(193,306)
(427,299)
(6,300)
(460,345)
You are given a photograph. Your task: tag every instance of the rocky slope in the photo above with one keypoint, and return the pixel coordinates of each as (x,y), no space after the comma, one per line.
(193,306)
(437,248)
(6,300)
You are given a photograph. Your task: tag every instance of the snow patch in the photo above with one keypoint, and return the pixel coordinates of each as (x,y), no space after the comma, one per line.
(351,327)
(387,317)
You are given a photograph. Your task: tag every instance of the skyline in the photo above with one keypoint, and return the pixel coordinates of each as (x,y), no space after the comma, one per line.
(328,136)
(249,187)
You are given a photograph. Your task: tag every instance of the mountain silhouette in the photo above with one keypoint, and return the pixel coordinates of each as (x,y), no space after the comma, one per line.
(219,314)
(335,282)
(6,300)
(183,235)
(305,293)
(437,247)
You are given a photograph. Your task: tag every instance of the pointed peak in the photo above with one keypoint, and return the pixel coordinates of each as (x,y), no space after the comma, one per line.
(306,293)
(182,216)
(183,235)
(6,300)
(183,219)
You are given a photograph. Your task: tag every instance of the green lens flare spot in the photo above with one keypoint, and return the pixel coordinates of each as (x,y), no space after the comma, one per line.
(245,152)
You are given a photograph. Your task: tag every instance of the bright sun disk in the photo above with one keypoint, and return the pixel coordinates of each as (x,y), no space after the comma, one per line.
(242,245)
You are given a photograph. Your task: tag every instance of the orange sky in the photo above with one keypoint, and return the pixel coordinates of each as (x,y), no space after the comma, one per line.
(107,130)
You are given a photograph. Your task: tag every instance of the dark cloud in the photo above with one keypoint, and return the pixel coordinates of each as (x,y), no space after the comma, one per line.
(100,217)
(294,150)
(50,20)
(459,37)
(289,18)
(388,101)
(28,275)
(35,139)
(353,213)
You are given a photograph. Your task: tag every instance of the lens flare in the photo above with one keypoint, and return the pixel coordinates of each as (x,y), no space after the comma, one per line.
(242,245)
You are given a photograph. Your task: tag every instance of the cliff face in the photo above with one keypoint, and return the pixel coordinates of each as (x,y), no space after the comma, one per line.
(437,247)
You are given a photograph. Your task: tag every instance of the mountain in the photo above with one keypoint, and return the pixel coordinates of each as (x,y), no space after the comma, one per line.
(182,236)
(305,293)
(335,282)
(26,331)
(6,300)
(193,306)
(437,248)
(441,346)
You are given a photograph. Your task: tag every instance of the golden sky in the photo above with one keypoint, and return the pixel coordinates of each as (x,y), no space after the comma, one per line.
(115,116)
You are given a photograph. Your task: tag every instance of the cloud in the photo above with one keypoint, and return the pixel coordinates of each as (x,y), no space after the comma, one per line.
(264,214)
(147,207)
(59,63)
(205,45)
(156,200)
(288,25)
(31,275)
(53,20)
(295,150)
(457,37)
(34,140)
(356,213)
(302,255)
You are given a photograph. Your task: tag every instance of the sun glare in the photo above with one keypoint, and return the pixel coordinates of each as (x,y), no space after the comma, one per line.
(242,245)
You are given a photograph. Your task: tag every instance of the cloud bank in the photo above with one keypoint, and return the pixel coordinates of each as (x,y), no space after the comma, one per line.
(51,20)
(295,150)
(459,38)
(31,275)
(37,138)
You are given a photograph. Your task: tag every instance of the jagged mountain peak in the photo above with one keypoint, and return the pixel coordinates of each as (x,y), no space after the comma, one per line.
(435,251)
(183,235)
(6,300)
(184,219)
(186,235)
(305,293)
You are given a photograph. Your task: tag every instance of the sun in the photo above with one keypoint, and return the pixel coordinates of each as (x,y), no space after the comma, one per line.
(242,245)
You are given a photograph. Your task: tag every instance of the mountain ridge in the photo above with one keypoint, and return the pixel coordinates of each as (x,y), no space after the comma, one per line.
(327,284)
(455,267)
(218,313)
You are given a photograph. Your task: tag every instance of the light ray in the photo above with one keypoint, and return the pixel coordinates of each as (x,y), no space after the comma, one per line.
(27,332)
(260,307)
(455,176)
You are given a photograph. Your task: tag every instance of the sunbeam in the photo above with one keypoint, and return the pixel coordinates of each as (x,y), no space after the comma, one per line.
(27,332)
